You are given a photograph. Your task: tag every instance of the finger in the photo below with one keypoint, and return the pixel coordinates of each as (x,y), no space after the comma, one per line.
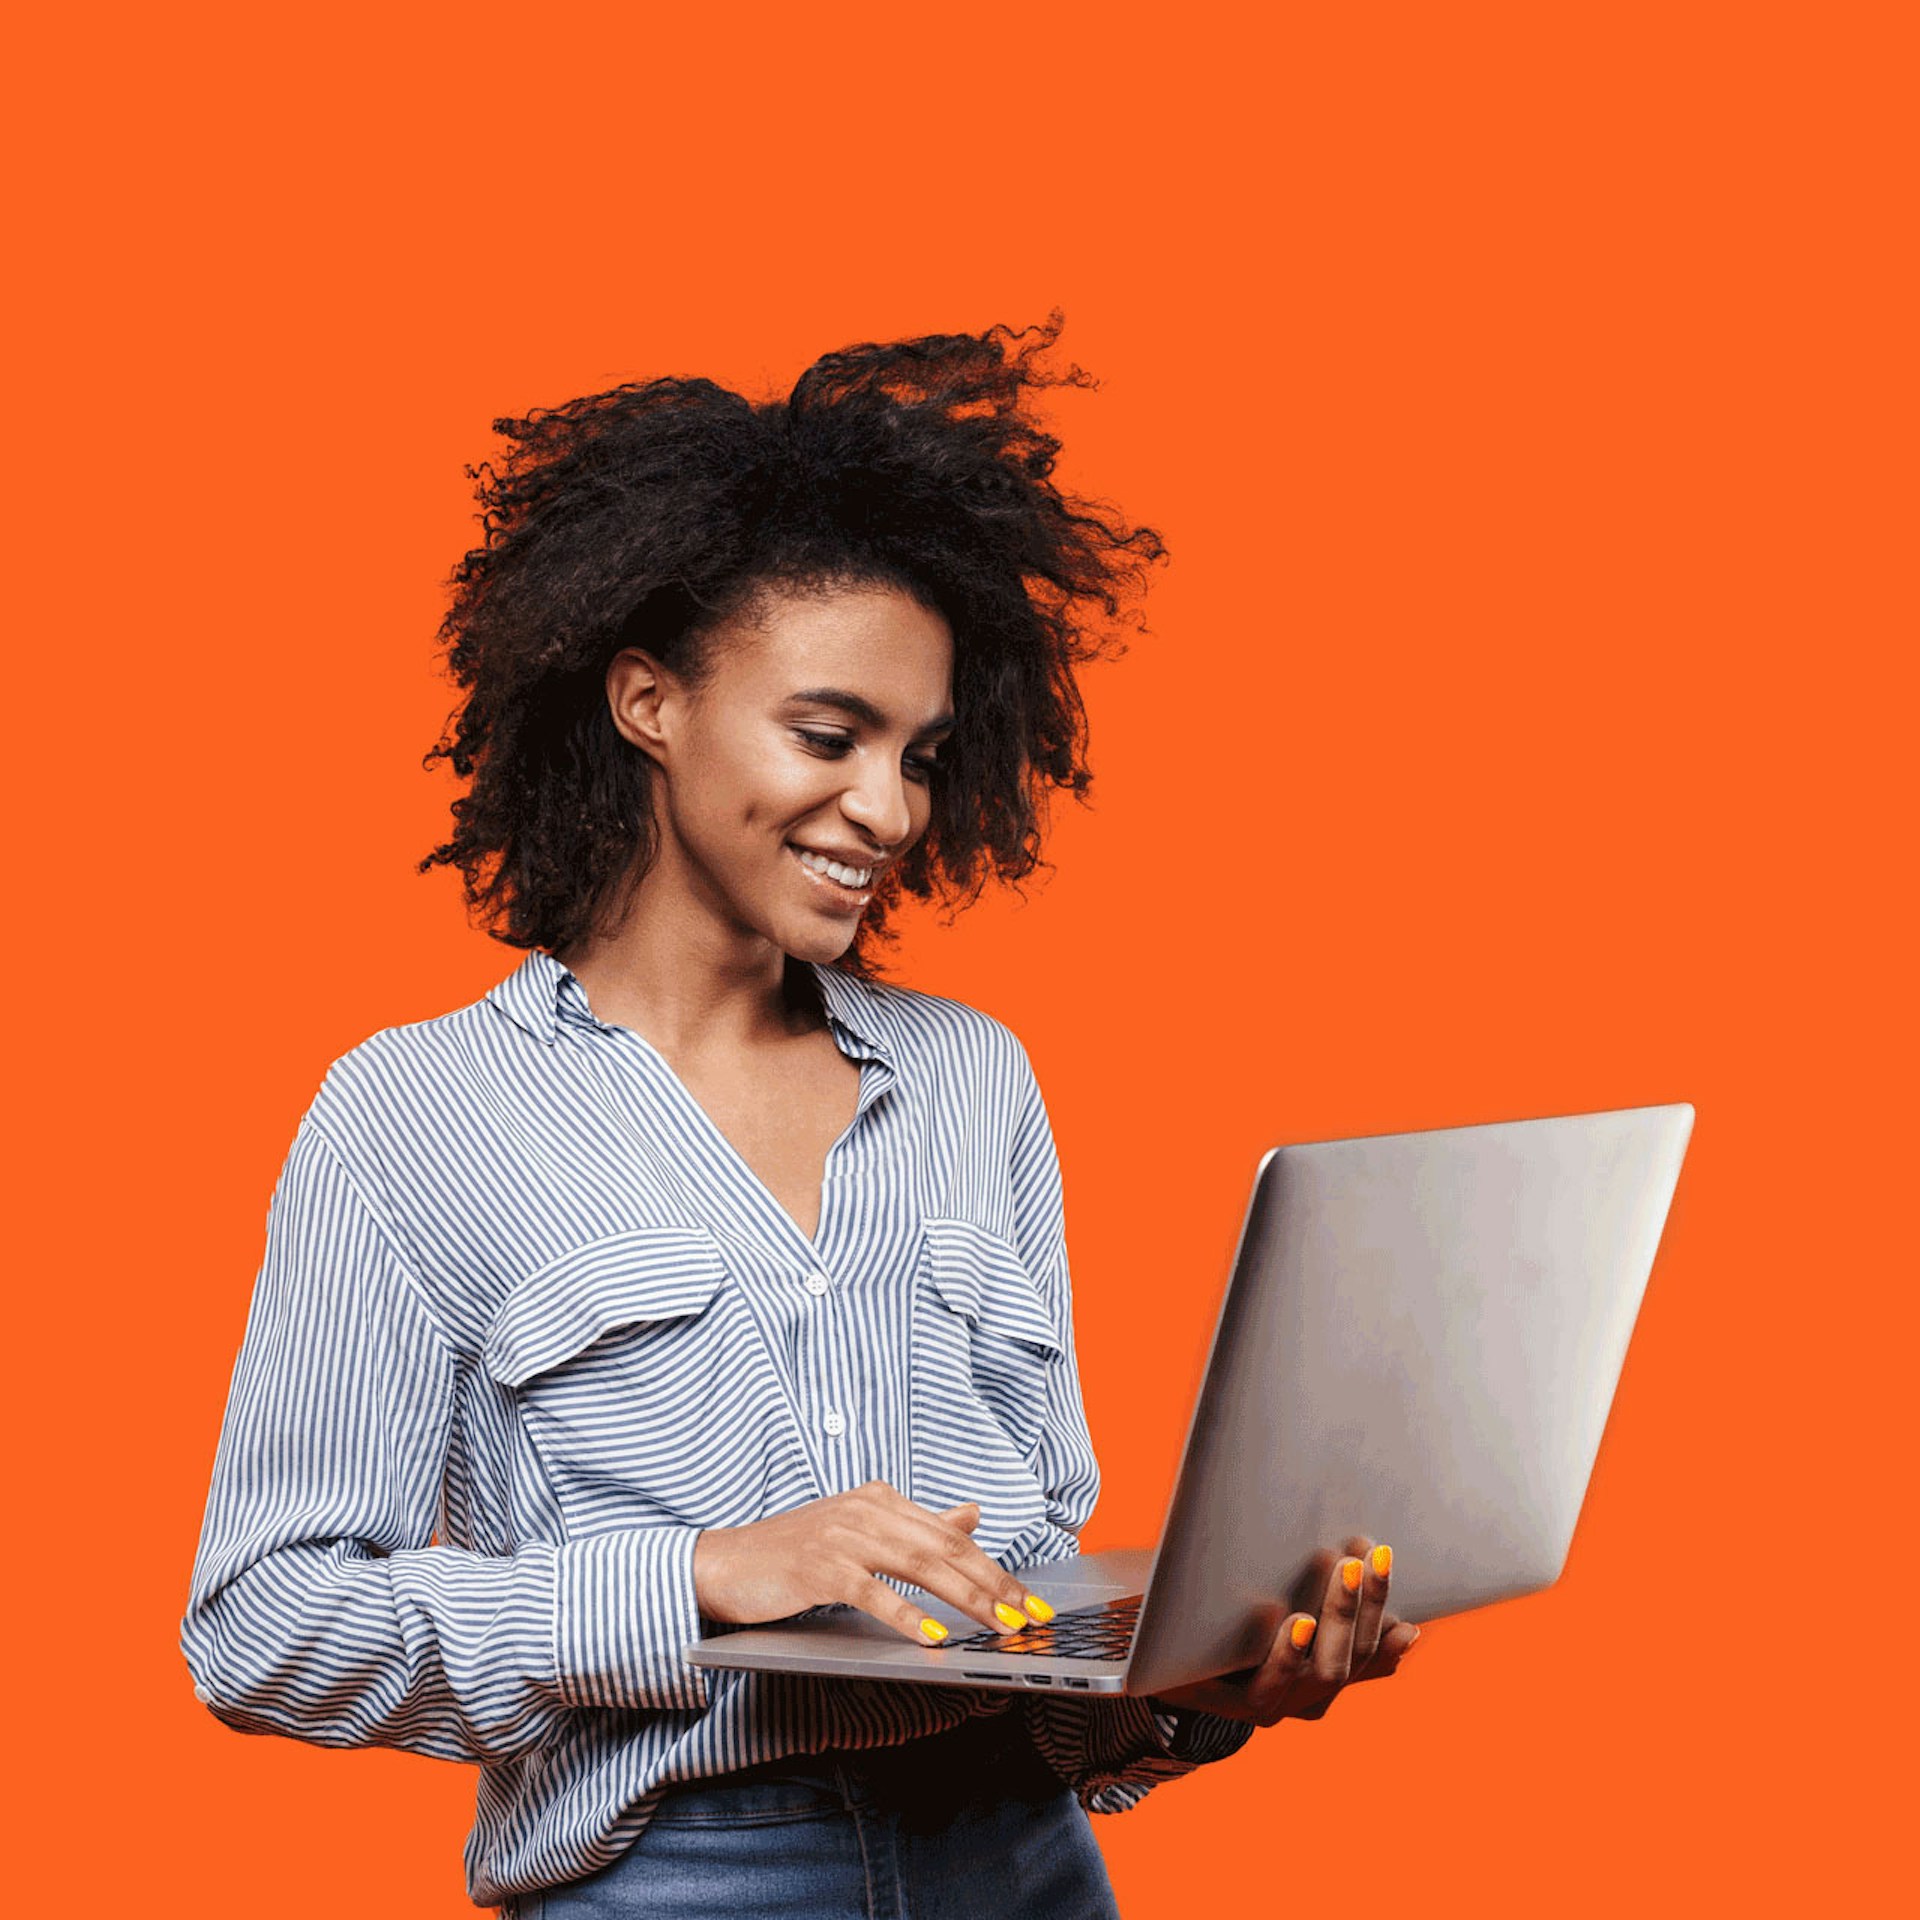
(920,1547)
(1369,1623)
(892,1609)
(1332,1657)
(1262,1694)
(1398,1636)
(1284,1680)
(966,1516)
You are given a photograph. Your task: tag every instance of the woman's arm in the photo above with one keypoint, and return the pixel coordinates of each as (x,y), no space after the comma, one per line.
(318,1607)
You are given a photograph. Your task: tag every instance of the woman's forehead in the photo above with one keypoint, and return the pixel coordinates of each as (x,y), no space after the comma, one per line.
(877,645)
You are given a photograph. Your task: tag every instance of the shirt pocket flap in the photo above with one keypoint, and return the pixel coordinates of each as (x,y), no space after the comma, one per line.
(646,1273)
(982,1277)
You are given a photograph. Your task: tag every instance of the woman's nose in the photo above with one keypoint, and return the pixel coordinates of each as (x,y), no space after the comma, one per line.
(878,802)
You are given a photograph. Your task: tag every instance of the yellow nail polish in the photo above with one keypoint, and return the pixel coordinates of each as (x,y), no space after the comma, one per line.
(933,1629)
(1383,1560)
(1039,1608)
(1009,1616)
(1303,1631)
(1351,1574)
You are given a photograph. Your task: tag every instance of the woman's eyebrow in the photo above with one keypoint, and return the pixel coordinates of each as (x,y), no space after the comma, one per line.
(859,708)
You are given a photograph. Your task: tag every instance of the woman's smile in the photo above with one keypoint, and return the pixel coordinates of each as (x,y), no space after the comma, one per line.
(833,894)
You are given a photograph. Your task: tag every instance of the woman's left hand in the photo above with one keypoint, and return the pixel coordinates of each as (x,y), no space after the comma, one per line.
(1356,1638)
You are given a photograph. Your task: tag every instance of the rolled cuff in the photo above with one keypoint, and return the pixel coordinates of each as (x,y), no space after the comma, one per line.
(1113,1752)
(1200,1737)
(624,1608)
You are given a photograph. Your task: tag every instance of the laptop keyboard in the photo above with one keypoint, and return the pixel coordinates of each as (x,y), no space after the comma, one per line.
(1104,1632)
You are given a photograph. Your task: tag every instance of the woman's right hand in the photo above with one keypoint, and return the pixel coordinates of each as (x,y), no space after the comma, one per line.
(829,1551)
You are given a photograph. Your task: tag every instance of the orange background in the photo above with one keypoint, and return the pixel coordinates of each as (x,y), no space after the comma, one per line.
(1525,395)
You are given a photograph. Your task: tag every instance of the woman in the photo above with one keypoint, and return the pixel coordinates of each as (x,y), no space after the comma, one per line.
(695,1274)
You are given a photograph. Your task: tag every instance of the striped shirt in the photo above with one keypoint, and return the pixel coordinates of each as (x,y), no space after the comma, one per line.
(526,1322)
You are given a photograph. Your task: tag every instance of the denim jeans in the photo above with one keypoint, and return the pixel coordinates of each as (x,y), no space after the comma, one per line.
(950,1828)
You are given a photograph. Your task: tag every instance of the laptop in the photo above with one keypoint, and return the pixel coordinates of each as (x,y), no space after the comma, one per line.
(1419,1342)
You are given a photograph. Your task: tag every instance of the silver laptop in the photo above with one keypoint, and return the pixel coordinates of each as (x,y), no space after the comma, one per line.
(1419,1343)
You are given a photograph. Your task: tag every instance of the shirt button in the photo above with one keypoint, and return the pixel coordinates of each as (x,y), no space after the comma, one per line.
(202,1695)
(835,1422)
(817,1284)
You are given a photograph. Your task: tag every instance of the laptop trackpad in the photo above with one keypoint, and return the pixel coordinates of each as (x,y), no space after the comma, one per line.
(1088,1579)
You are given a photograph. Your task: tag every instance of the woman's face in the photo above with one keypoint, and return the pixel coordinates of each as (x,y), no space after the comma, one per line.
(816,734)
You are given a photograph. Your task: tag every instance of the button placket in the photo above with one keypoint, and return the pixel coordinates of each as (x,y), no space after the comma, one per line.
(838,1380)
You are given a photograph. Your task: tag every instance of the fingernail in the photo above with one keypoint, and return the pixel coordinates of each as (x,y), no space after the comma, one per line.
(933,1629)
(1351,1574)
(1009,1616)
(1038,1608)
(1303,1631)
(1383,1560)
(1408,1648)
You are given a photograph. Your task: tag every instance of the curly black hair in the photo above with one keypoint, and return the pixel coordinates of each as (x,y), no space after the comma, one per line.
(647,515)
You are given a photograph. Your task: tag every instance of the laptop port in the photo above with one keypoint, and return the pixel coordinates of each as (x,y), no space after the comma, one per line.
(1038,1679)
(1072,1682)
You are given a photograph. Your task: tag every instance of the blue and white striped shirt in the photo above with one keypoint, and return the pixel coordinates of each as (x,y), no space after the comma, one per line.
(527,1322)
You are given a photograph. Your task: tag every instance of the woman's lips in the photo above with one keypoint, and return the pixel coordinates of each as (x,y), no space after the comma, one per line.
(830,891)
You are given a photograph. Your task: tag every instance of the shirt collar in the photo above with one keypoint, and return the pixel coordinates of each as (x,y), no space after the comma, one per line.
(851,1006)
(531,997)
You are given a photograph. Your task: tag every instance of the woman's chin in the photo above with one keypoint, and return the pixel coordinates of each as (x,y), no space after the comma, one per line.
(818,937)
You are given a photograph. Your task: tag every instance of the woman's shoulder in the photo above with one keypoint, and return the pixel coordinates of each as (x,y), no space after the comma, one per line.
(412,1064)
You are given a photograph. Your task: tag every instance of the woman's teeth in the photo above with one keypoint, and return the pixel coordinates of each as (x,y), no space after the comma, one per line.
(847,876)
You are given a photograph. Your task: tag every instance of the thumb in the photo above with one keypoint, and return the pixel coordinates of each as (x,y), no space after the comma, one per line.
(966,1516)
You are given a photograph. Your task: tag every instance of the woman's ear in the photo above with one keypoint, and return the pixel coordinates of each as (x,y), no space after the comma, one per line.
(640,693)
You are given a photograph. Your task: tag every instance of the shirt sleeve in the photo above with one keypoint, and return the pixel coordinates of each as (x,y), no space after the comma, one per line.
(318,1606)
(1111,1752)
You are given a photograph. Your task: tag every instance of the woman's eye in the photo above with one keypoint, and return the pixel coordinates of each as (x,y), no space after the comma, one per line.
(835,744)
